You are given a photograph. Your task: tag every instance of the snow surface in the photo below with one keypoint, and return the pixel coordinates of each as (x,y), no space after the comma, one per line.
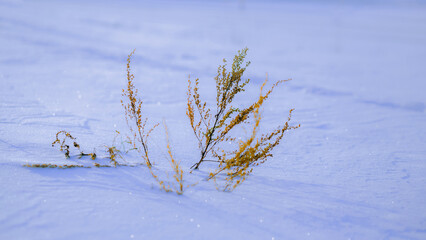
(355,169)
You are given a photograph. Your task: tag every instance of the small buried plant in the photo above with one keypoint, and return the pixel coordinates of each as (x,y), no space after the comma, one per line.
(48,165)
(65,147)
(113,152)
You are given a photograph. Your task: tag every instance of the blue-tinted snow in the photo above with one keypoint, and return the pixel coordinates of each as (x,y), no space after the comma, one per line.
(354,170)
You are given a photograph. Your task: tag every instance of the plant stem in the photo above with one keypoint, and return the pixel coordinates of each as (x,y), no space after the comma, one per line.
(204,152)
(140,135)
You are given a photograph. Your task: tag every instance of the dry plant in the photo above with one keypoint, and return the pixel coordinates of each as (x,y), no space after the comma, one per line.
(177,170)
(212,128)
(113,153)
(133,112)
(137,125)
(170,186)
(64,146)
(253,151)
(100,165)
(48,165)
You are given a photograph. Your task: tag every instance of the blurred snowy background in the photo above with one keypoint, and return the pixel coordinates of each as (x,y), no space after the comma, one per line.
(354,170)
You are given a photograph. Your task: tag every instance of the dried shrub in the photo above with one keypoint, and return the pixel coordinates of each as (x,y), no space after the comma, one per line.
(213,128)
(133,112)
(251,152)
